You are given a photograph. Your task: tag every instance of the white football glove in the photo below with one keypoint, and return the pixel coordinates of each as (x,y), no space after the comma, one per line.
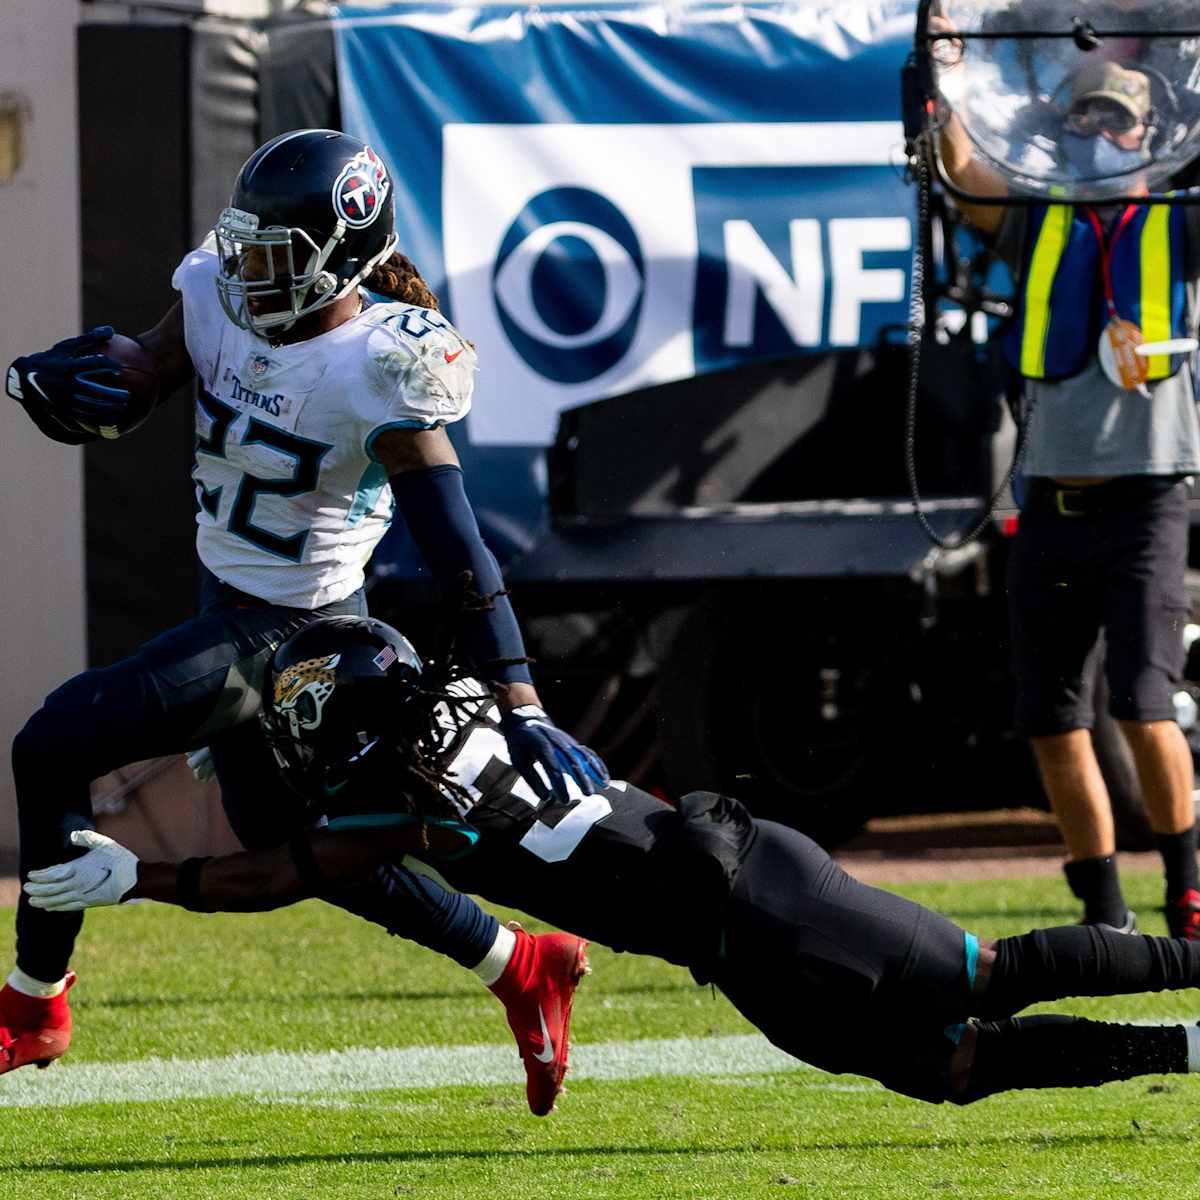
(102,876)
(202,765)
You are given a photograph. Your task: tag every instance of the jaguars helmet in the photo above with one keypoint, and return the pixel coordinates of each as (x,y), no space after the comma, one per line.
(311,215)
(333,693)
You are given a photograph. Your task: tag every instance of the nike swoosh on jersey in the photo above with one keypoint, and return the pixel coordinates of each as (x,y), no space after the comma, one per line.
(547,1054)
(451,357)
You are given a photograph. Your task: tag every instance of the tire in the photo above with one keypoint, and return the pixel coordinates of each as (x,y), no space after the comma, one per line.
(785,724)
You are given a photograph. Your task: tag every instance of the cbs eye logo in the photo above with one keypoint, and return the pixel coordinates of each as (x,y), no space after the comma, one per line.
(568,284)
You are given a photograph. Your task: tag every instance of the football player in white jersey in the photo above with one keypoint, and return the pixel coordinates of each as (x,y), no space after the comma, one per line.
(325,376)
(398,759)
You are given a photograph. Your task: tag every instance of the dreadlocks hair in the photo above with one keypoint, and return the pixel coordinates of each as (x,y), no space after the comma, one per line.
(397,279)
(420,746)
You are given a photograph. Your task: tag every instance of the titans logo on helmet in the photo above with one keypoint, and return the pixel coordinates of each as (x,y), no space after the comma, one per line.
(361,188)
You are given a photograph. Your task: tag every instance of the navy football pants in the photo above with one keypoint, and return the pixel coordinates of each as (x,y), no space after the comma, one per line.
(195,685)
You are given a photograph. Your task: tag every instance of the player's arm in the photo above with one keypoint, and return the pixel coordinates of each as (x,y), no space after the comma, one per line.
(73,392)
(427,481)
(167,345)
(251,881)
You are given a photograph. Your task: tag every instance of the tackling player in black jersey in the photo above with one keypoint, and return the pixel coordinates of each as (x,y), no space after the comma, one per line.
(844,976)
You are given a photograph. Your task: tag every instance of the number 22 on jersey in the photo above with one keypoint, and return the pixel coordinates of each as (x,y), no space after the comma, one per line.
(304,455)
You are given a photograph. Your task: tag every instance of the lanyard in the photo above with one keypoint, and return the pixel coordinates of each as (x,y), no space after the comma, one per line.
(1106,250)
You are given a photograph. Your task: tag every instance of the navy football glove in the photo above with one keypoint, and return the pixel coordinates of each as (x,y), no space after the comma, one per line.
(70,389)
(534,739)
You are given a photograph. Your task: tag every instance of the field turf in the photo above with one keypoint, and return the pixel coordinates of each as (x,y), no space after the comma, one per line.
(159,983)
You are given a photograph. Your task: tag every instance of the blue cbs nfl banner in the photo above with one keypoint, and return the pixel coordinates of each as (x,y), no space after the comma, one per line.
(613,197)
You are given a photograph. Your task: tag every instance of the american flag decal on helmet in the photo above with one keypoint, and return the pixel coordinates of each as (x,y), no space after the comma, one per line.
(385,658)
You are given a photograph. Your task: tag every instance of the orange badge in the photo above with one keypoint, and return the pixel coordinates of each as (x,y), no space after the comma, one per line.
(1119,357)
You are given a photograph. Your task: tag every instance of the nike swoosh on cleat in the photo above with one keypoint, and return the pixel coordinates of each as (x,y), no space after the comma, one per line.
(451,357)
(547,1054)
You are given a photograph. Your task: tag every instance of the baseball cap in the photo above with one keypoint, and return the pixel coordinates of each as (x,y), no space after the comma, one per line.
(1099,80)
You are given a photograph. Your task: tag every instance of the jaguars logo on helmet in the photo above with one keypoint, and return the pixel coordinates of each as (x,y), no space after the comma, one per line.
(334,692)
(302,689)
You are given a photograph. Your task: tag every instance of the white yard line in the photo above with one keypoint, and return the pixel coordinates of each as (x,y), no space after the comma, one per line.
(366,1070)
(294,1076)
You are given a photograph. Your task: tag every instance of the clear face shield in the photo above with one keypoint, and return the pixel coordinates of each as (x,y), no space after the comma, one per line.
(270,278)
(1069,100)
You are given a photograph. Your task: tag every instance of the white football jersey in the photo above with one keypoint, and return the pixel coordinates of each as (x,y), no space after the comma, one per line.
(292,501)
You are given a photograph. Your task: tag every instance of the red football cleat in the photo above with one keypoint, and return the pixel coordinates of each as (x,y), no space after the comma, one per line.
(537,989)
(32,1029)
(1183,916)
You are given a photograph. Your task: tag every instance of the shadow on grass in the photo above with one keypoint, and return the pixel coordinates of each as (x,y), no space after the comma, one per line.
(1039,1140)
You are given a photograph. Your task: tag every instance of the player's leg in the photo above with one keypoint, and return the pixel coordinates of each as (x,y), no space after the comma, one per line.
(1146,609)
(1045,1051)
(159,700)
(843,943)
(1055,613)
(534,977)
(880,981)
(846,977)
(164,698)
(1079,960)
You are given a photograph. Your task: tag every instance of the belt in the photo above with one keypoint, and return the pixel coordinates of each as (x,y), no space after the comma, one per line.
(1099,498)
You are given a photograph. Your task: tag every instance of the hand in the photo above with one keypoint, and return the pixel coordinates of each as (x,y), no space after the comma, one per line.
(534,740)
(946,51)
(102,876)
(200,763)
(70,388)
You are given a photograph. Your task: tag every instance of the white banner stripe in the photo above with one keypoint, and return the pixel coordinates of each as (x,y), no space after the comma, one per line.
(368,1070)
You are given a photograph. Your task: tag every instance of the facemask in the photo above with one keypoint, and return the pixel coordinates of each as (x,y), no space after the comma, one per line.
(1099,158)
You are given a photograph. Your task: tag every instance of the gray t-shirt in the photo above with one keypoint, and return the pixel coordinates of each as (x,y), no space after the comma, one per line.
(1087,425)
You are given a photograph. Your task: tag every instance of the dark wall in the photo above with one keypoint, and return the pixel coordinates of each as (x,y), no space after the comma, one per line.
(135,180)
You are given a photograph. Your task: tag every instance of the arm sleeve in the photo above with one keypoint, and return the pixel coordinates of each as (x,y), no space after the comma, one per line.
(440,518)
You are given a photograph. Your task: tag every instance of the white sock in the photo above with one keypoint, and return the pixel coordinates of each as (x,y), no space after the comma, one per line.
(28,986)
(1193,1041)
(496,959)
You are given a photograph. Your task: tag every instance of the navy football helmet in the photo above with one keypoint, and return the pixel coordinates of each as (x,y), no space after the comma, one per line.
(333,695)
(311,216)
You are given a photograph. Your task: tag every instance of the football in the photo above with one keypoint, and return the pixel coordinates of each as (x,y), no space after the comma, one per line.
(139,375)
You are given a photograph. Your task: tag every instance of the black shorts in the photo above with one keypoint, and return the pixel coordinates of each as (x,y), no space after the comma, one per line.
(1115,560)
(846,977)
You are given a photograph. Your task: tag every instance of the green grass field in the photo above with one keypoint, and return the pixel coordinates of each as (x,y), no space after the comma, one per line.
(159,983)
